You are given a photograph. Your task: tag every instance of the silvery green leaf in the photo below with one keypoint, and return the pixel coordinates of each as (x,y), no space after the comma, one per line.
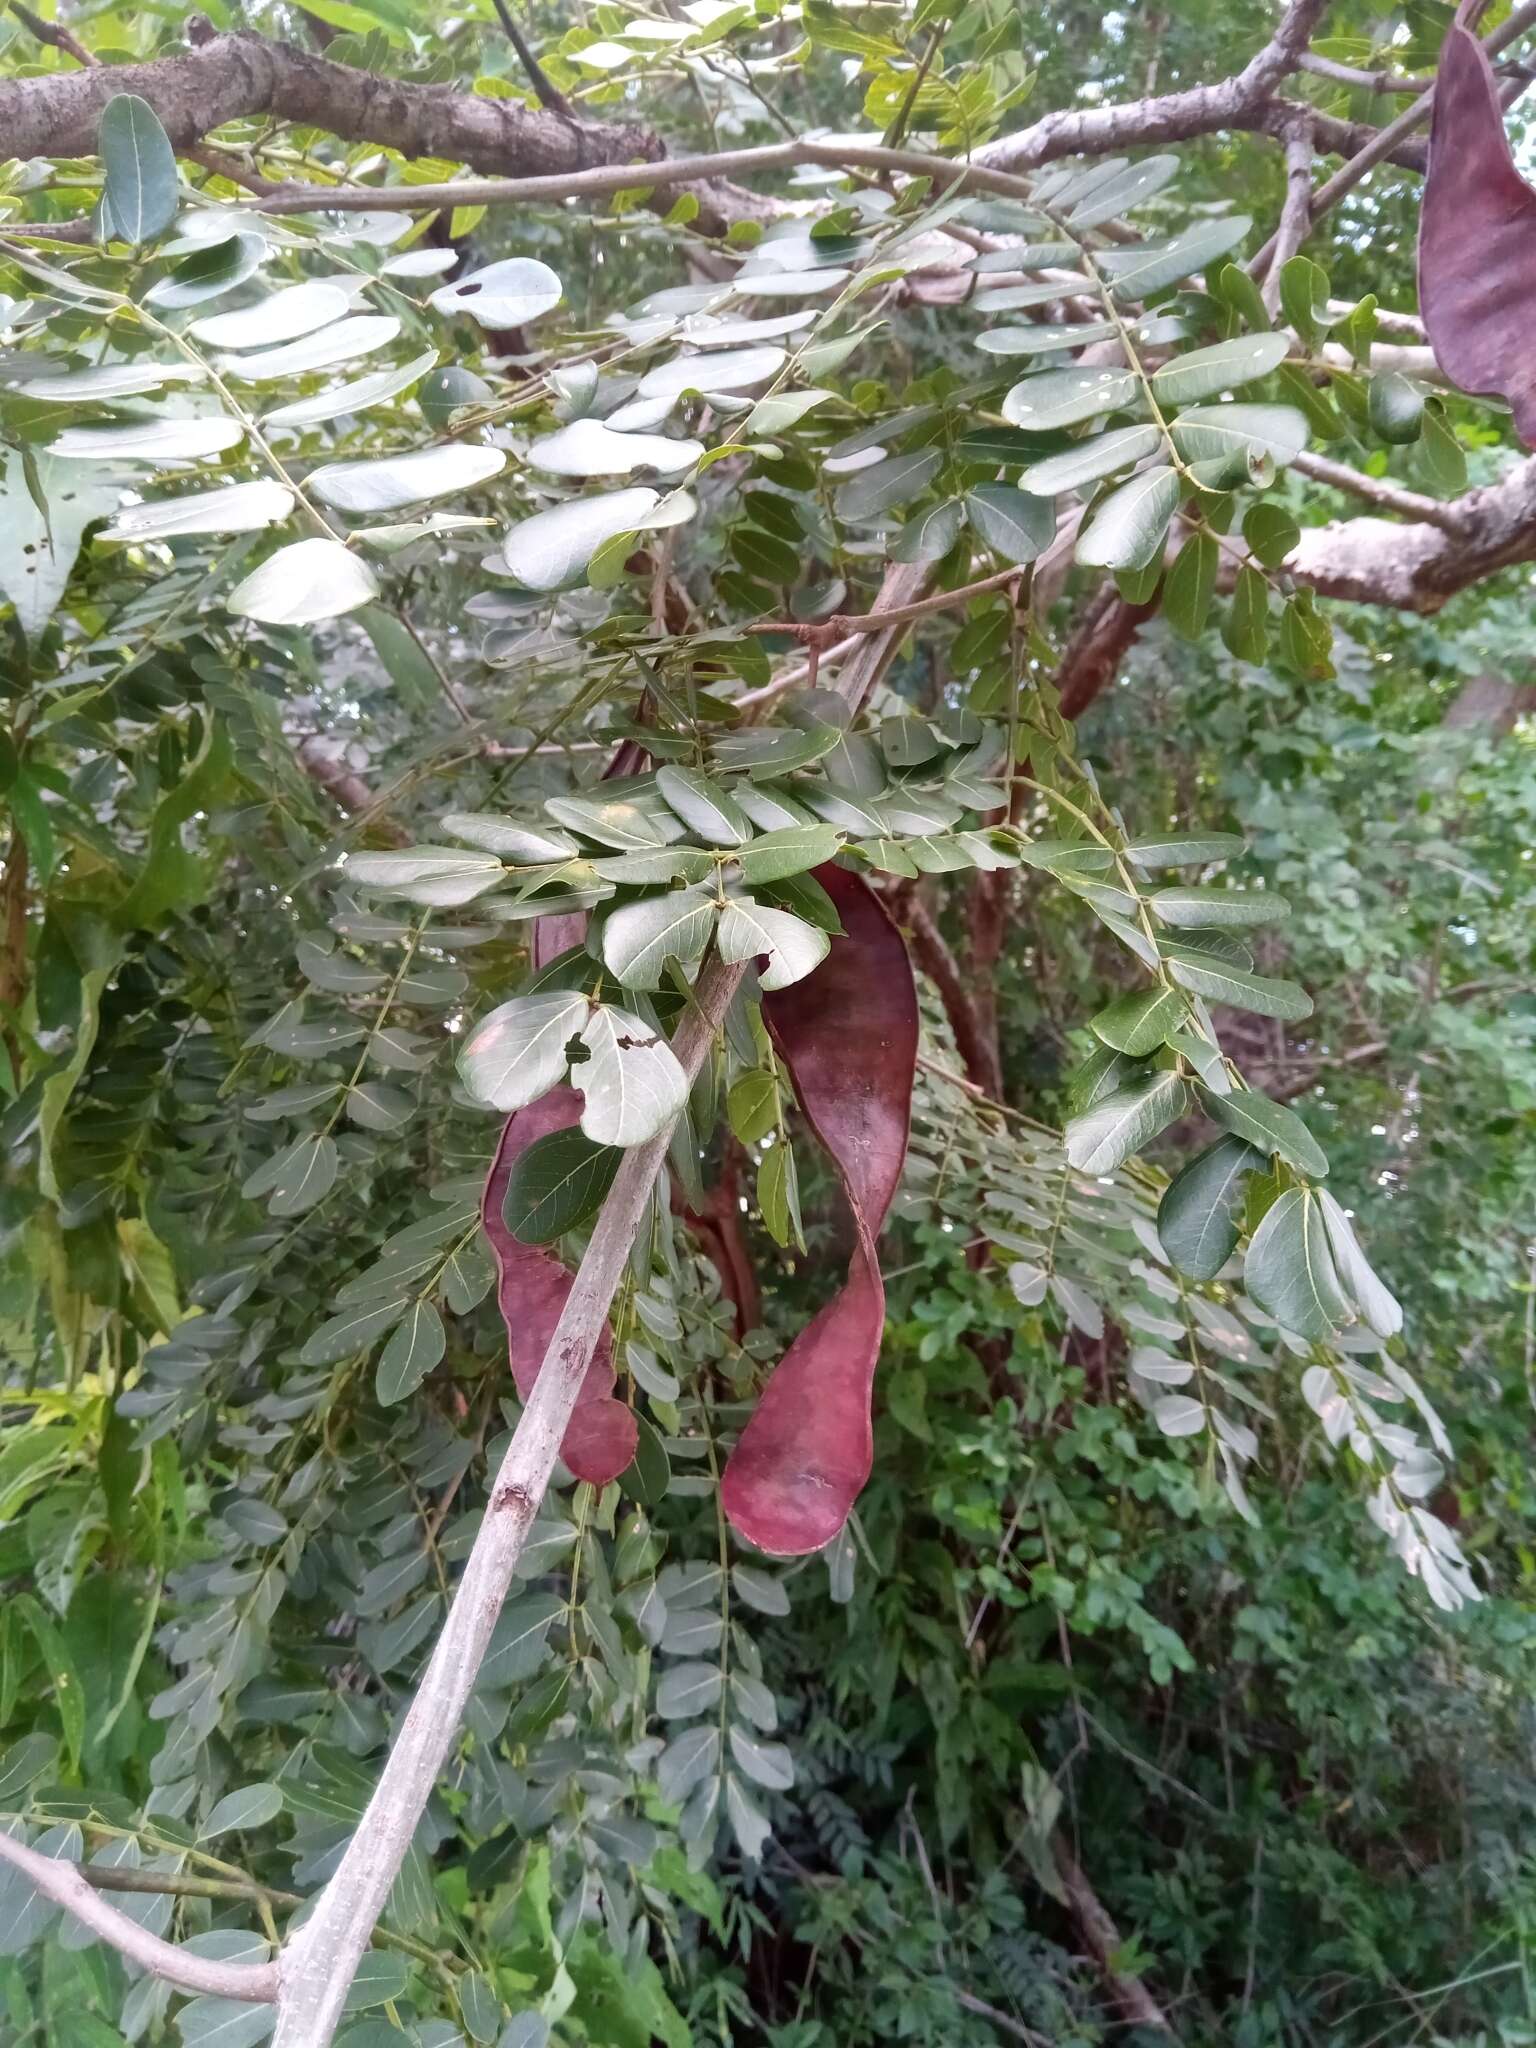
(357,396)
(1012,298)
(420,262)
(724,370)
(439,876)
(892,481)
(209,272)
(415,1348)
(148,441)
(1116,193)
(302,1175)
(761,1590)
(1380,1308)
(765,1763)
(553,548)
(688,1689)
(312,580)
(1178,1415)
(639,938)
(749,930)
(1196,907)
(107,381)
(301,309)
(792,284)
(749,1823)
(666,864)
(632,1085)
(1061,398)
(236,508)
(1238,437)
(1139,269)
(1043,340)
(1184,849)
(590,448)
(791,850)
(1108,1134)
(1205,371)
(1289,1270)
(524,845)
(1099,456)
(708,330)
(1028,1282)
(504,294)
(708,811)
(1163,1371)
(688,1760)
(1220,983)
(1128,529)
(781,410)
(929,534)
(518,1052)
(139,195)
(389,540)
(224,2023)
(343,342)
(1013,523)
(252,1806)
(619,822)
(391,481)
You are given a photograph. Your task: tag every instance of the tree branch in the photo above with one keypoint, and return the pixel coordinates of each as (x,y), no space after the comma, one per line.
(1101,1937)
(64,1883)
(1376,490)
(1235,102)
(320,1960)
(1296,214)
(546,94)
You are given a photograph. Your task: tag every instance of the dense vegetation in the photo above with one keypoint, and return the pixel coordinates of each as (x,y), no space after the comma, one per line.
(506,658)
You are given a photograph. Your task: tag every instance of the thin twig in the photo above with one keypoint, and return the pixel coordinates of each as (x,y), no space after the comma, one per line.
(1296,214)
(66,1886)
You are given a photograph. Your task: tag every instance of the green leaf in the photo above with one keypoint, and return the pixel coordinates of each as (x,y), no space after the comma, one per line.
(765,1763)
(895,481)
(1043,340)
(1199,1219)
(1011,522)
(504,294)
(752,1108)
(749,930)
(301,584)
(631,1082)
(68,1695)
(778,1194)
(1099,456)
(1138,1024)
(704,807)
(236,508)
(357,396)
(1375,1302)
(355,1329)
(1190,587)
(1270,532)
(392,481)
(556,1184)
(1220,983)
(1128,529)
(1142,268)
(1235,442)
(139,195)
(1195,907)
(1268,1126)
(792,850)
(414,1349)
(301,1175)
(518,1052)
(1205,371)
(1395,405)
(1245,629)
(1304,298)
(1063,398)
(439,876)
(552,549)
(639,938)
(1289,1270)
(1105,1136)
(688,1689)
(282,316)
(1184,849)
(252,1806)
(1306,639)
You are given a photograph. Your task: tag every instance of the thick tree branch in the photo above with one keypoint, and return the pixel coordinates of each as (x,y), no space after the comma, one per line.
(1236,102)
(1376,490)
(63,1883)
(1296,214)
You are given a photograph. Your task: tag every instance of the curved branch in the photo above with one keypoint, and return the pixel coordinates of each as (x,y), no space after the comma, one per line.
(63,1883)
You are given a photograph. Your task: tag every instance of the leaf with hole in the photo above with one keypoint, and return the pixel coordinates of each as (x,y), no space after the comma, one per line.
(751,930)
(631,1082)
(504,294)
(518,1052)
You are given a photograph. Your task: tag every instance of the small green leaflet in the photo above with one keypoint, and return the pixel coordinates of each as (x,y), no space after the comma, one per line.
(639,938)
(1200,1217)
(1184,850)
(138,196)
(1195,908)
(704,807)
(1289,1270)
(415,1347)
(1105,1136)
(749,930)
(557,1184)
(1138,1024)
(792,850)
(518,1052)
(1190,587)
(1205,371)
(1099,456)
(1062,398)
(1010,522)
(1267,1125)
(1220,983)
(1128,529)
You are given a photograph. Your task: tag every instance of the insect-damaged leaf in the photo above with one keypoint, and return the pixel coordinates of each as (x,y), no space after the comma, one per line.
(848,1036)
(1477,236)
